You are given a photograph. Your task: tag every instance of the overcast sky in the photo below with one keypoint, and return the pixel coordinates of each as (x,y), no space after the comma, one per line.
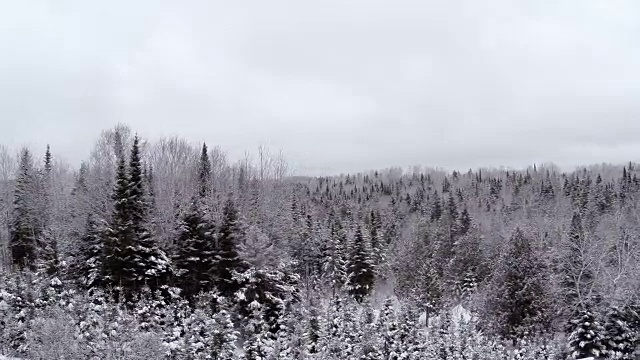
(339,85)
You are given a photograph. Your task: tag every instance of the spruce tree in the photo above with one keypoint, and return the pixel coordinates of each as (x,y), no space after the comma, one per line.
(151,264)
(24,231)
(89,261)
(47,245)
(195,259)
(360,272)
(335,263)
(228,261)
(519,305)
(587,335)
(204,173)
(132,259)
(619,338)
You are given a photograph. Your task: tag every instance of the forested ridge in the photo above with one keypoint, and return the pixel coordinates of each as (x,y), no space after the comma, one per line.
(167,250)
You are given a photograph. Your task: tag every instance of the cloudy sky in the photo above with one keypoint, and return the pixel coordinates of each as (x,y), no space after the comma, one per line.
(339,85)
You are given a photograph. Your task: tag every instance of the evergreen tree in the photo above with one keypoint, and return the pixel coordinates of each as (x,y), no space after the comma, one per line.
(335,263)
(90,255)
(436,208)
(24,229)
(360,272)
(258,344)
(195,260)
(587,335)
(132,259)
(388,329)
(619,338)
(228,261)
(204,173)
(518,302)
(577,275)
(119,242)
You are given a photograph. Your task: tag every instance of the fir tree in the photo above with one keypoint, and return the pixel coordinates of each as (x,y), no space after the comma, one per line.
(24,230)
(204,173)
(228,261)
(258,344)
(119,242)
(519,306)
(360,272)
(619,338)
(587,335)
(195,259)
(132,259)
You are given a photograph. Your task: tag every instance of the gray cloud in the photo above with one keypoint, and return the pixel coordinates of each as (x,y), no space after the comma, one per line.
(339,85)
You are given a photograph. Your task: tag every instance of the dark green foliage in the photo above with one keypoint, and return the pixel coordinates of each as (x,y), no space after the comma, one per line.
(132,258)
(90,257)
(273,289)
(195,261)
(195,256)
(204,173)
(360,271)
(518,303)
(228,261)
(587,335)
(24,230)
(619,338)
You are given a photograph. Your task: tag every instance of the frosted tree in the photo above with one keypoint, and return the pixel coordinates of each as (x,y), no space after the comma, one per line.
(24,227)
(132,258)
(388,330)
(517,300)
(195,260)
(195,257)
(89,259)
(619,338)
(578,276)
(587,335)
(228,260)
(360,272)
(258,342)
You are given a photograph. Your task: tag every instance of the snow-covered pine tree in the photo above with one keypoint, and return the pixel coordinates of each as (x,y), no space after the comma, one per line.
(194,260)
(24,231)
(132,257)
(258,343)
(335,263)
(89,260)
(228,260)
(152,265)
(360,274)
(618,336)
(367,345)
(587,335)
(118,236)
(273,289)
(47,246)
(518,302)
(387,330)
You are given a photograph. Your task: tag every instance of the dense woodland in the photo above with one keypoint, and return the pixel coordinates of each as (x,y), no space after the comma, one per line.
(166,250)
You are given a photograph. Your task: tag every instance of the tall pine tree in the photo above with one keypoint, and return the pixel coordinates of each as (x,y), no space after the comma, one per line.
(228,260)
(360,275)
(133,258)
(519,305)
(24,230)
(195,258)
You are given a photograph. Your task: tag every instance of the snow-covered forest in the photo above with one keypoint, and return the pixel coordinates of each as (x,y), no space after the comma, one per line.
(167,250)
